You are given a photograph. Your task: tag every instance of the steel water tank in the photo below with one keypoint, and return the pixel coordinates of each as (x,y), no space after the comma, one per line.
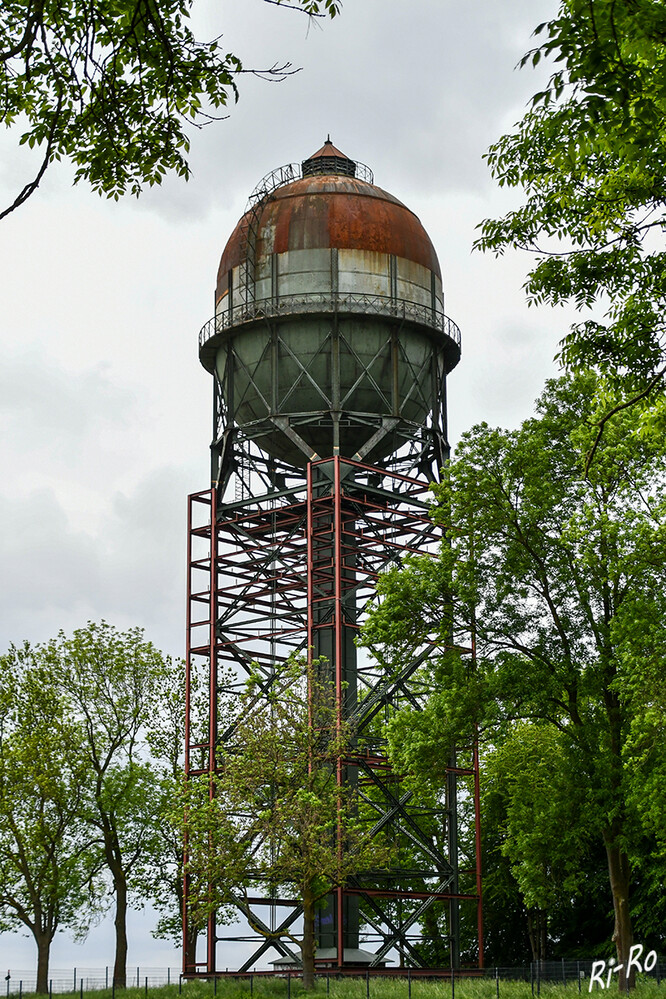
(329,334)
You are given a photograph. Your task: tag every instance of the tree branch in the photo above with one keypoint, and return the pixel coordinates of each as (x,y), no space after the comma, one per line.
(617,409)
(34,184)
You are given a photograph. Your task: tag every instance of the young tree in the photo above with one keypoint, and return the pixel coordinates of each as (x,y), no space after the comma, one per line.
(279,814)
(590,156)
(111,679)
(561,579)
(115,87)
(47,871)
(161,880)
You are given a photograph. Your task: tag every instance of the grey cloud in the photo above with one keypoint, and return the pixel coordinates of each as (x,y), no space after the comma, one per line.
(44,397)
(57,575)
(50,569)
(417,91)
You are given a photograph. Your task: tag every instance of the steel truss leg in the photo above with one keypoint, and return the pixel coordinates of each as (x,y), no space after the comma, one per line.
(277,574)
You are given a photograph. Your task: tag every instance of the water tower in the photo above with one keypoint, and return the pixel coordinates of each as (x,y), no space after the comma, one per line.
(329,351)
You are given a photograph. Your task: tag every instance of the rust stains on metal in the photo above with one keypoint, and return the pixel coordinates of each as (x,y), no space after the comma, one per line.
(333,211)
(328,149)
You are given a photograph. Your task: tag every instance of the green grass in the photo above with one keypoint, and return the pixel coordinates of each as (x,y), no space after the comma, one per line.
(355,988)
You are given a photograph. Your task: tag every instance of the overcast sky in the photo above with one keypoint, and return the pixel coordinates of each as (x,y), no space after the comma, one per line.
(106,412)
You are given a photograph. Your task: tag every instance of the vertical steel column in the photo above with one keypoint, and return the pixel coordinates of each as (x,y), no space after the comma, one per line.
(196,597)
(477,845)
(212,705)
(477,806)
(339,690)
(477,799)
(189,960)
(310,561)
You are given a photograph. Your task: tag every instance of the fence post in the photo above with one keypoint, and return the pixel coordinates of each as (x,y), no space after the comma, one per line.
(453,983)
(497,981)
(409,982)
(81,984)
(146,987)
(180,983)
(578,974)
(106,977)
(137,978)
(168,976)
(564,974)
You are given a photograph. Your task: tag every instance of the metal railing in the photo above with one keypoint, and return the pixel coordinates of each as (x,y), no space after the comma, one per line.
(327,302)
(82,980)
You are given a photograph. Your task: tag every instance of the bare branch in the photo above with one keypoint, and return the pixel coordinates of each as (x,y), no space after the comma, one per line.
(274,74)
(294,6)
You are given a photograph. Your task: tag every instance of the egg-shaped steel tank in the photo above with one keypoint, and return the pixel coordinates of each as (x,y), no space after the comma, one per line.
(329,334)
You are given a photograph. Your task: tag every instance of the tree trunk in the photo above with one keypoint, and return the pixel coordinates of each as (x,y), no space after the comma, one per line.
(619,870)
(537,929)
(191,947)
(43,948)
(308,946)
(120,922)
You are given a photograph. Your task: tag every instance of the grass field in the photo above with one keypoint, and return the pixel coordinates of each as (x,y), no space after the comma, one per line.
(375,988)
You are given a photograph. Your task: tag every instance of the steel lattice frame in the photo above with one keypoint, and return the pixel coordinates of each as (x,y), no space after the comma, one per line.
(292,568)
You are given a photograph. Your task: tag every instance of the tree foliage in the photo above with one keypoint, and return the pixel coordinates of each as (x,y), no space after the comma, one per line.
(47,869)
(160,881)
(590,155)
(111,680)
(115,86)
(561,579)
(279,815)
(91,733)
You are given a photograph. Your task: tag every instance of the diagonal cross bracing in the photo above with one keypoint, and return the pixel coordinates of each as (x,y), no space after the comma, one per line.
(293,568)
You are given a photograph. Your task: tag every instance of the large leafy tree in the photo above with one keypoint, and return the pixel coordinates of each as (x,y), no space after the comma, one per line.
(545,889)
(561,580)
(590,156)
(115,86)
(112,681)
(279,815)
(47,868)
(557,868)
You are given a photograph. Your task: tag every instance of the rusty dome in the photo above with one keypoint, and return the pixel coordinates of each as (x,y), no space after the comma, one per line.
(329,334)
(330,208)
